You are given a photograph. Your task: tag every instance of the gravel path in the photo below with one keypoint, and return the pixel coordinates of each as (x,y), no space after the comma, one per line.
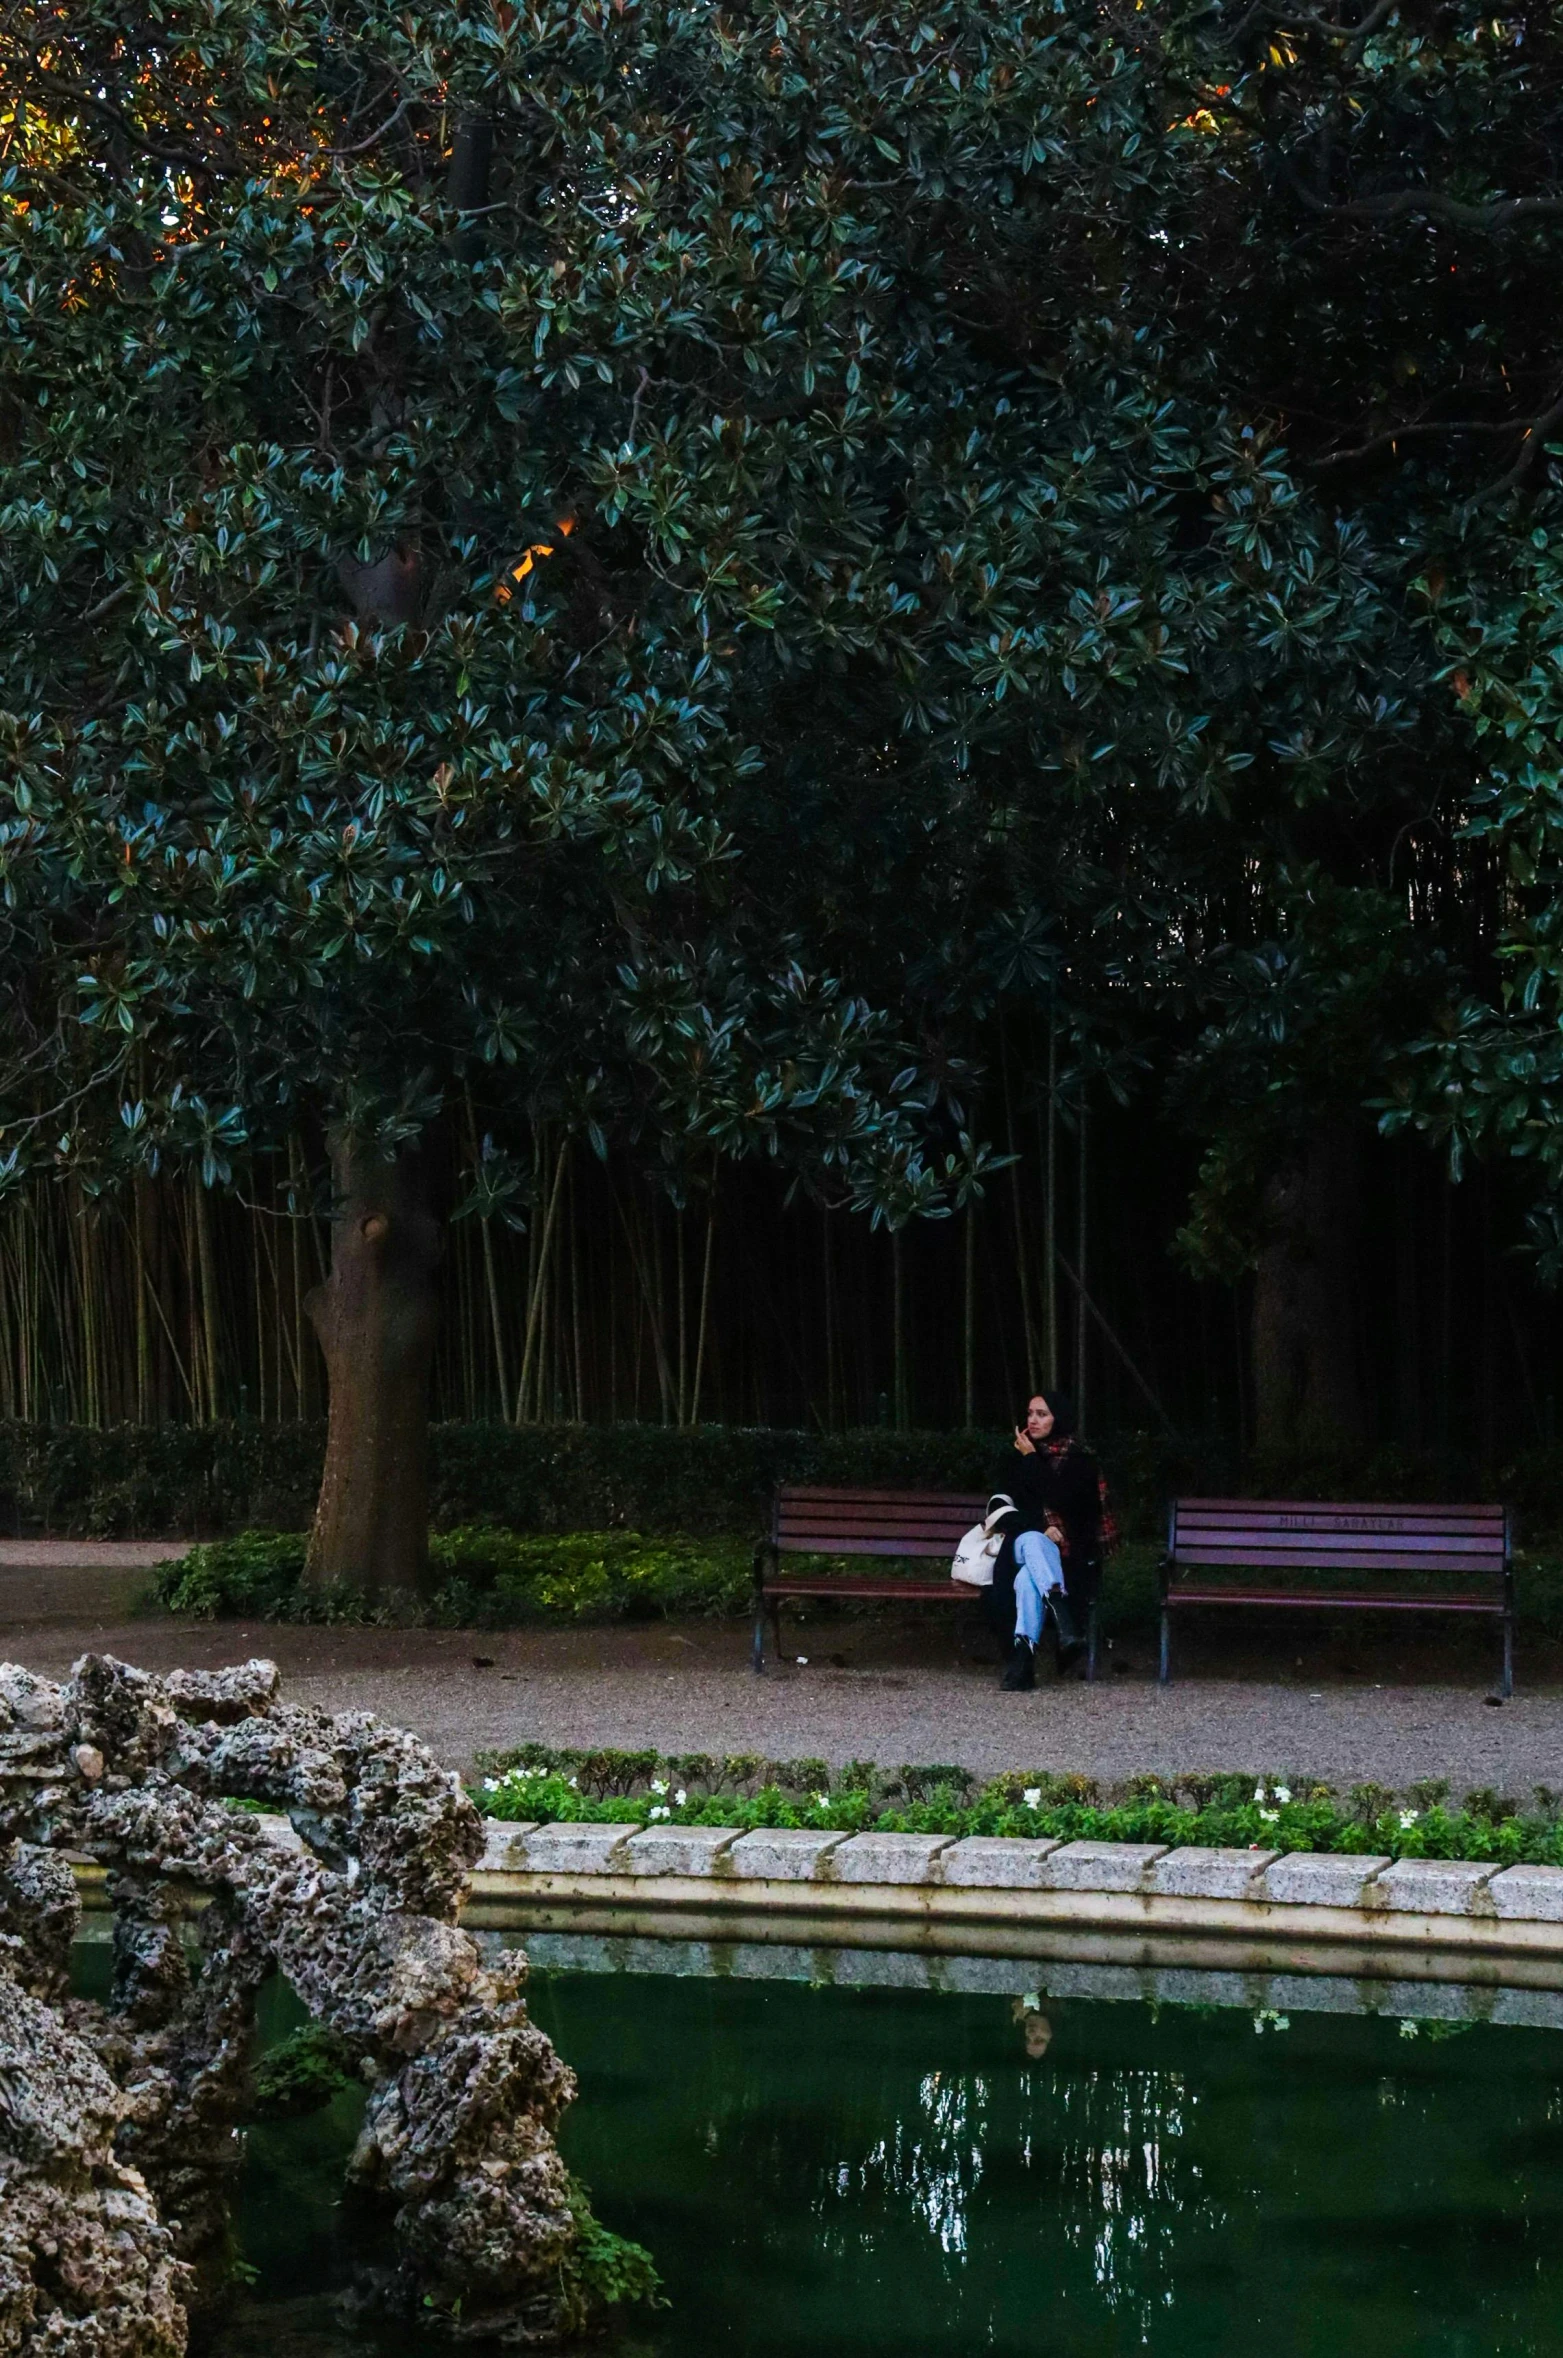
(888,1693)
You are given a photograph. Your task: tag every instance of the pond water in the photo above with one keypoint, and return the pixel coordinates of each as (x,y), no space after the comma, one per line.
(825,2170)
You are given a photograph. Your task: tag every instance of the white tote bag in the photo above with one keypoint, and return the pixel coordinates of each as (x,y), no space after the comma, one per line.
(979,1550)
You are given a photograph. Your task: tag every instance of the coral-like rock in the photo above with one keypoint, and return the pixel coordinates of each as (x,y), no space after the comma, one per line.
(86,2268)
(358,1912)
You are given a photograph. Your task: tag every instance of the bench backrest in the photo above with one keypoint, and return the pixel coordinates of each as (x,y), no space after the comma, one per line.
(1304,1535)
(838,1522)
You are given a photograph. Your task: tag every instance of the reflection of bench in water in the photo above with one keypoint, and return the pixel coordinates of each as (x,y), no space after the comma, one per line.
(833,1522)
(1422,1559)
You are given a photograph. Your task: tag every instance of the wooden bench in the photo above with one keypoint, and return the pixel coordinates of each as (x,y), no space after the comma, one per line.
(1296,1552)
(820,1521)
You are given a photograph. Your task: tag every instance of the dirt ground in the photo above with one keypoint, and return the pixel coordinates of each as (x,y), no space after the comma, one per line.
(1354,1702)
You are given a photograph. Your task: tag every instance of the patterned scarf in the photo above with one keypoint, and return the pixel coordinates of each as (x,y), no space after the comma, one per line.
(1111,1536)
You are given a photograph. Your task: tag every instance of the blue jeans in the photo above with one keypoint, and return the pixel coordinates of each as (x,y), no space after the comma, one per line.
(1037,1571)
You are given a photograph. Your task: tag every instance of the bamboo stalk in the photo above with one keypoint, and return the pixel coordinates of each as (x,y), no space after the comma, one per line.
(969,1322)
(575,1298)
(898,1333)
(683,1335)
(1050,1206)
(1081,1204)
(659,1353)
(535,1305)
(208,1292)
(138,1187)
(1028,1324)
(705,1300)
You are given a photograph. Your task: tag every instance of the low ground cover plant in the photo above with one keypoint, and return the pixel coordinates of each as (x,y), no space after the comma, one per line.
(483,1577)
(1224,1810)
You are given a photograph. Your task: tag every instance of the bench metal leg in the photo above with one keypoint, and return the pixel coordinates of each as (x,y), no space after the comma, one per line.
(1164,1673)
(1506,1689)
(761,1553)
(1090,1646)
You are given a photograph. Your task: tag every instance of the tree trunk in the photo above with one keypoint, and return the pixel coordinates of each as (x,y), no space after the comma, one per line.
(1307,1390)
(374,1316)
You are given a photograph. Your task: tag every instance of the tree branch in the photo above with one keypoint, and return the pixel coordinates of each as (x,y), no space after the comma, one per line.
(1403,203)
(1531,448)
(1421,429)
(359,146)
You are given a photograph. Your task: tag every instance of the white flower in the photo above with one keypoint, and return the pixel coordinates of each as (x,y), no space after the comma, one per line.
(1283,1794)
(1259,1792)
(1410,2030)
(659,1784)
(680,1797)
(1408,1818)
(820,1800)
(1271,1817)
(661,1811)
(574,1782)
(1032,1797)
(491,1784)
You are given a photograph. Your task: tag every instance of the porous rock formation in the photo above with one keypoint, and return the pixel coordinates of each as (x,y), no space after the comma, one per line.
(118,2123)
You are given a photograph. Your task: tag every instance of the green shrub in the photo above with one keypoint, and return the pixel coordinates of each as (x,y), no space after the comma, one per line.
(604,2270)
(301,2074)
(252,1577)
(482,1577)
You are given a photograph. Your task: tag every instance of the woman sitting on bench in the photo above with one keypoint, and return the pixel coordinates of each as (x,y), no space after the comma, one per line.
(1060,1532)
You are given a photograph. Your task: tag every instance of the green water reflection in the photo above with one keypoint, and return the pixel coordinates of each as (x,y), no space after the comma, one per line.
(866,2171)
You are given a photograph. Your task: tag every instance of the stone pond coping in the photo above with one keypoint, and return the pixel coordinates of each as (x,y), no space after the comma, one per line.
(933,1891)
(1247,1910)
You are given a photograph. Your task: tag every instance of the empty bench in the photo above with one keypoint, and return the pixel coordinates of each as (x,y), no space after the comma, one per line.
(828,1522)
(1339,1559)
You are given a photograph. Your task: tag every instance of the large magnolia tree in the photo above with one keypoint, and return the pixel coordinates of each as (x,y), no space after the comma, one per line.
(645,565)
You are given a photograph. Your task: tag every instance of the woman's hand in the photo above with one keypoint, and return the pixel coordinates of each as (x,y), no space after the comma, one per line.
(1055,1534)
(1024,1442)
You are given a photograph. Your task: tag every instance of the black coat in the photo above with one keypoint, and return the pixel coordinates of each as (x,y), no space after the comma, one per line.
(1060,1486)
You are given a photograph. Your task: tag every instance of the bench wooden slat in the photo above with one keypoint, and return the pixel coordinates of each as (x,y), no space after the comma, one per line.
(1310,1514)
(891,1519)
(842,1584)
(856,1502)
(1346,1559)
(885,1519)
(906,1545)
(1325,1599)
(1314,1543)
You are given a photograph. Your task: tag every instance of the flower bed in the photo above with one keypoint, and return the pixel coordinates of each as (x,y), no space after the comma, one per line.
(1209,1810)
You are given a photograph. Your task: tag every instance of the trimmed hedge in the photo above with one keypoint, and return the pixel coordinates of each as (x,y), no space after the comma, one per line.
(1224,1811)
(122,1481)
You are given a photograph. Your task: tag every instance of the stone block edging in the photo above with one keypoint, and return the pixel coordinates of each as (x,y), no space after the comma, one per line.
(981,1881)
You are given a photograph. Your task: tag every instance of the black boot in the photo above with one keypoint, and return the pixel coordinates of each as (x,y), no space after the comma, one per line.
(1066,1637)
(1020,1671)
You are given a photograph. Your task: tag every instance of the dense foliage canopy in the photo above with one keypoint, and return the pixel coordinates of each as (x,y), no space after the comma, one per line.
(663,565)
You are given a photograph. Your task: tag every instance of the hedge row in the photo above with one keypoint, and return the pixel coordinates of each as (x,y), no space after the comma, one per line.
(125,1481)
(1228,1812)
